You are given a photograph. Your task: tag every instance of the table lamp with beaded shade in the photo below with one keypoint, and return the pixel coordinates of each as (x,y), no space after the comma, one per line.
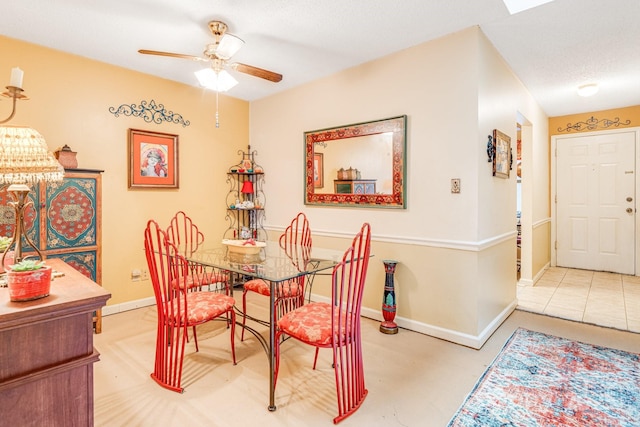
(25,160)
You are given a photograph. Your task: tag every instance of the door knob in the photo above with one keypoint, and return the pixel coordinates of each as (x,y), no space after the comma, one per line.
(629,210)
(629,199)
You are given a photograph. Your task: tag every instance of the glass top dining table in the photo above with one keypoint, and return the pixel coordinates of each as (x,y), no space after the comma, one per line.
(273,265)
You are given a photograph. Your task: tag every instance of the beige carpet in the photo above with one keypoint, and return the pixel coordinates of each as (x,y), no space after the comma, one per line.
(413,379)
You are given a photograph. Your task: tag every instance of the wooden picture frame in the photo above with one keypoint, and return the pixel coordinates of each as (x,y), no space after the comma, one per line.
(501,154)
(318,170)
(153,159)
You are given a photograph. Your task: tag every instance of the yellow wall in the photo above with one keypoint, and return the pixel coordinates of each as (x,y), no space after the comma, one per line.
(625,117)
(70,97)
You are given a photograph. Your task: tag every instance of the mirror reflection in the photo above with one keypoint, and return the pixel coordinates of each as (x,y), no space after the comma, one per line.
(374,169)
(359,165)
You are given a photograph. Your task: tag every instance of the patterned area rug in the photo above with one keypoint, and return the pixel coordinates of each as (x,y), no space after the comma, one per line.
(543,380)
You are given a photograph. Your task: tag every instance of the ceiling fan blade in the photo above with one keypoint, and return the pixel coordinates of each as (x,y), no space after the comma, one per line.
(172,55)
(257,72)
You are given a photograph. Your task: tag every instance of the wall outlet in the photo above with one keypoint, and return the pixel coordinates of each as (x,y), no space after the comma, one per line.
(145,274)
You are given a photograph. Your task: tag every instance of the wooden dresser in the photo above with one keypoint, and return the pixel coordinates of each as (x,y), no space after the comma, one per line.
(47,354)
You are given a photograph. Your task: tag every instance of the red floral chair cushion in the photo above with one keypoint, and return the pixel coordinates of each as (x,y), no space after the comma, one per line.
(311,323)
(203,306)
(198,279)
(288,288)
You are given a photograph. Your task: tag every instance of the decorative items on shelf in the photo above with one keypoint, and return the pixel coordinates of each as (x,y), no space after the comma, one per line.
(245,233)
(247,188)
(66,157)
(247,204)
(347,174)
(245,199)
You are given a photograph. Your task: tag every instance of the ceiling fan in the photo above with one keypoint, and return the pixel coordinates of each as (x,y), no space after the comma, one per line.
(218,54)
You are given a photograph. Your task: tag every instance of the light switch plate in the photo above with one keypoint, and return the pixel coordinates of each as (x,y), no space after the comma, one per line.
(455,185)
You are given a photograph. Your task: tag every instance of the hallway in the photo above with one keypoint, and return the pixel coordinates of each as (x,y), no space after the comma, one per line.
(599,298)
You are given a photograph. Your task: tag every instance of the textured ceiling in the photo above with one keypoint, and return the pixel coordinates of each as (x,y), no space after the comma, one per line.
(552,48)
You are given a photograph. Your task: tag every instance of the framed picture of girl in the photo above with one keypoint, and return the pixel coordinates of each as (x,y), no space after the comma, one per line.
(153,159)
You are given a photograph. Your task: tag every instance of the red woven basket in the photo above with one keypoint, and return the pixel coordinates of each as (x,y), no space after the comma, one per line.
(29,285)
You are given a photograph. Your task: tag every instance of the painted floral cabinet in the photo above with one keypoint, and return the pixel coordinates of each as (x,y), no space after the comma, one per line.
(64,222)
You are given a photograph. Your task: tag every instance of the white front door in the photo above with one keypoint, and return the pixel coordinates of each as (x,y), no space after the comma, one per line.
(595,179)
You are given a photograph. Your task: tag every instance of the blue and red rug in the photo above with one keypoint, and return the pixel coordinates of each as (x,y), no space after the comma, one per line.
(543,380)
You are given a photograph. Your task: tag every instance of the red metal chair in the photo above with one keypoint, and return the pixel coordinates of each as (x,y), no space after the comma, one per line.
(186,236)
(178,308)
(296,242)
(336,325)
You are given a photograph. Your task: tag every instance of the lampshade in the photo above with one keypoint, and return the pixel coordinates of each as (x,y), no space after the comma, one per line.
(247,187)
(25,157)
(229,46)
(220,81)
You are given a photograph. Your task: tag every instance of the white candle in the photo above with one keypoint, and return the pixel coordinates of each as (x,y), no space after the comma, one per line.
(16,77)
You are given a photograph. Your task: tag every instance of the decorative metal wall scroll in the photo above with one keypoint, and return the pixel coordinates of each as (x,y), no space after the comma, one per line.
(150,113)
(593,124)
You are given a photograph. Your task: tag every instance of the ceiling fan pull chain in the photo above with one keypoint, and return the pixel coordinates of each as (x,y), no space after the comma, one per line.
(217,121)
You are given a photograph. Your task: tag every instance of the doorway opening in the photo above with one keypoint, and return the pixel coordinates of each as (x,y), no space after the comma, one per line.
(518,198)
(523,164)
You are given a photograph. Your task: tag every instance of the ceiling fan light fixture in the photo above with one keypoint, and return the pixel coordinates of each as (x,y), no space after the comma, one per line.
(516,6)
(220,81)
(229,46)
(588,89)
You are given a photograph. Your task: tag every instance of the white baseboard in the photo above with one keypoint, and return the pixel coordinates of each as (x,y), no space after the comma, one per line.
(541,272)
(525,282)
(467,340)
(528,282)
(475,342)
(129,305)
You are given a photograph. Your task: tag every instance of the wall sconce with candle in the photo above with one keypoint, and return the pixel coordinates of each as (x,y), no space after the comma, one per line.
(25,160)
(14,90)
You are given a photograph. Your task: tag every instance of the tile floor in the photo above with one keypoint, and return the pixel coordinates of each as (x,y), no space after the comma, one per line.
(599,298)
